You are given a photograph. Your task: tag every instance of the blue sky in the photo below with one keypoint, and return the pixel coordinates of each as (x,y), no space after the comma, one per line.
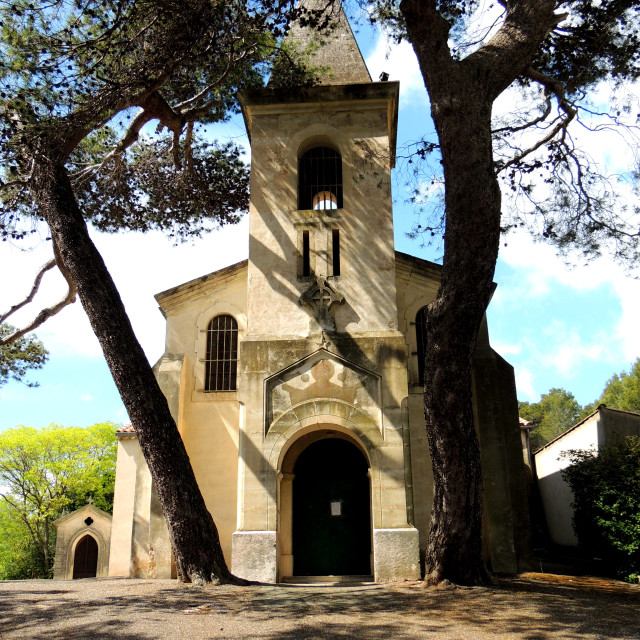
(559,327)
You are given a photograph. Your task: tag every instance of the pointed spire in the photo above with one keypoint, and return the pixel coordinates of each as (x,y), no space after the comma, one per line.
(335,50)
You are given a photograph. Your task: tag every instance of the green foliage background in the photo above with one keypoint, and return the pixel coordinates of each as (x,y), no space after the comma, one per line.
(44,473)
(606,489)
(558,410)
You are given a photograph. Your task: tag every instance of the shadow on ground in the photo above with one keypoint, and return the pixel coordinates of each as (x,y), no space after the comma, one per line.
(530,607)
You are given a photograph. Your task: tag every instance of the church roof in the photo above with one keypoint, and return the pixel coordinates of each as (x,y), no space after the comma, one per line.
(413,264)
(200,286)
(127,431)
(213,281)
(335,50)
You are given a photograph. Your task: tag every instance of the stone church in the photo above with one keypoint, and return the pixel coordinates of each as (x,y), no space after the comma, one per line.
(295,377)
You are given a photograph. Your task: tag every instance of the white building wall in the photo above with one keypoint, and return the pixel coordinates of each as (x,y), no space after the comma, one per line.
(555,493)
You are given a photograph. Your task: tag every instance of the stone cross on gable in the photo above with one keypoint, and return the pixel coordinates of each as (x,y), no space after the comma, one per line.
(90,501)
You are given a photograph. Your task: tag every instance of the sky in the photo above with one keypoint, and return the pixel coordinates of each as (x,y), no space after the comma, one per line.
(558,326)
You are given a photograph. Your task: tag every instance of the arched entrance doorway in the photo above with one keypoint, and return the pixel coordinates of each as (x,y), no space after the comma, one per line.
(85,559)
(331,519)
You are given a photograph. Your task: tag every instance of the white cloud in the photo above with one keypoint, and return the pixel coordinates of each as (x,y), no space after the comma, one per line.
(524,383)
(566,350)
(540,270)
(627,328)
(506,349)
(400,62)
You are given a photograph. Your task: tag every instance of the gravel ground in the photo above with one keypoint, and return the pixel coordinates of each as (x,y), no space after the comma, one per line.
(529,607)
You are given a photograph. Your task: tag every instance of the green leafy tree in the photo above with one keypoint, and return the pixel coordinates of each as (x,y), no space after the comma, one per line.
(80,85)
(42,473)
(606,490)
(557,52)
(557,411)
(622,391)
(20,356)
(20,557)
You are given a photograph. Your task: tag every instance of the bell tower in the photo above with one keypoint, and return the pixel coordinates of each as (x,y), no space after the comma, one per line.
(321,254)
(322,357)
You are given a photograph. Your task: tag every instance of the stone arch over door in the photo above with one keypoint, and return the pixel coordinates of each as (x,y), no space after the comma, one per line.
(85,557)
(291,434)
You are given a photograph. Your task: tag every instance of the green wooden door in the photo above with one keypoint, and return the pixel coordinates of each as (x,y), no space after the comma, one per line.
(331,511)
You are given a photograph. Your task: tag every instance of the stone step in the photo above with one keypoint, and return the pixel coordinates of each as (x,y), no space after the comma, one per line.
(326,579)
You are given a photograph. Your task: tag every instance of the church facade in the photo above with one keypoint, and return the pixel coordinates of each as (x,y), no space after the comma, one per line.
(295,377)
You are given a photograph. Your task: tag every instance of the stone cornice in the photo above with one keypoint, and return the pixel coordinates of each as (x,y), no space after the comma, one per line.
(340,97)
(174,297)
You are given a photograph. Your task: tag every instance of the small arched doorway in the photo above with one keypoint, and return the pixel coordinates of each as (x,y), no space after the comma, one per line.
(331,519)
(85,558)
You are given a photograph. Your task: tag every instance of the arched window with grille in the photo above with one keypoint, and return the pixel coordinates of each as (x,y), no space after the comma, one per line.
(221,361)
(421,341)
(320,179)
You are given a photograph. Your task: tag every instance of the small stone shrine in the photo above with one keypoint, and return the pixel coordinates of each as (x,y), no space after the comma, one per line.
(83,541)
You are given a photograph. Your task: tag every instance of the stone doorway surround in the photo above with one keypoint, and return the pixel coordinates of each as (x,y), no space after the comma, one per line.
(266,555)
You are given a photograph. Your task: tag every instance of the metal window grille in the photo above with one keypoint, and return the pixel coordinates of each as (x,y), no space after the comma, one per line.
(421,339)
(320,179)
(221,362)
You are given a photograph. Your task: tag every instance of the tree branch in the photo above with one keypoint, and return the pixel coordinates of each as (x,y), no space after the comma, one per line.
(188,146)
(32,293)
(154,106)
(429,33)
(47,313)
(131,135)
(507,54)
(527,125)
(551,86)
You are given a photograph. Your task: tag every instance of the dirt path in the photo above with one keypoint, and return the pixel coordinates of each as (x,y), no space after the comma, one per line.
(530,607)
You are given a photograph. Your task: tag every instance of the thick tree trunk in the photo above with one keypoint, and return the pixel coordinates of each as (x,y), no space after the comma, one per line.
(471,247)
(462,95)
(462,114)
(194,536)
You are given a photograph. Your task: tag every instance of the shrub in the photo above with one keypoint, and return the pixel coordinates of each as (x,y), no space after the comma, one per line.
(606,518)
